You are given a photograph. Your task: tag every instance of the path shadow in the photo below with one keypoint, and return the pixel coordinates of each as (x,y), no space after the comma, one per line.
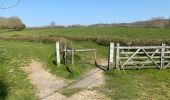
(3,90)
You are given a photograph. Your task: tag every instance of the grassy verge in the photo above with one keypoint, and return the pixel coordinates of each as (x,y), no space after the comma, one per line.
(143,84)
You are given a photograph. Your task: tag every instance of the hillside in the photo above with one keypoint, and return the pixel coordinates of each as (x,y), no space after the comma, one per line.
(100,35)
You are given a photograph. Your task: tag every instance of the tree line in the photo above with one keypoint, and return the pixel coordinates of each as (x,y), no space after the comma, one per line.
(156,22)
(12,23)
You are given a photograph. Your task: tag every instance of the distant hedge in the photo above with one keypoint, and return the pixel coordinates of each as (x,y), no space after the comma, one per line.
(12,23)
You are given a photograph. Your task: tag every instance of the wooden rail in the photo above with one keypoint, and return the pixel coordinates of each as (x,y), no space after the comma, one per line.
(80,50)
(58,57)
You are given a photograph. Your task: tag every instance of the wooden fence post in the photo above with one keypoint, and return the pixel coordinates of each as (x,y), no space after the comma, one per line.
(94,53)
(162,55)
(117,56)
(65,54)
(58,52)
(72,53)
(111,56)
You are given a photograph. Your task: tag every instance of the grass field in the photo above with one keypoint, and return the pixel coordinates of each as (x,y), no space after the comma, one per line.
(100,35)
(137,84)
(119,32)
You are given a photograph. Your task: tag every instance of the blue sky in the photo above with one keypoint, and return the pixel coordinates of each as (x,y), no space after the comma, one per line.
(67,12)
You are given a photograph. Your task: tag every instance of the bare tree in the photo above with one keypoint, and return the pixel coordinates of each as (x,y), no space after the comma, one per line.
(11,6)
(52,24)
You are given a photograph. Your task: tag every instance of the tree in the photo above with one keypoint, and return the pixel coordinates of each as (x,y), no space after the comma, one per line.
(12,23)
(52,24)
(168,25)
(11,6)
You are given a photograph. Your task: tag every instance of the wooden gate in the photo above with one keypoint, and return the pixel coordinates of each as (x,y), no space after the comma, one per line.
(70,53)
(129,57)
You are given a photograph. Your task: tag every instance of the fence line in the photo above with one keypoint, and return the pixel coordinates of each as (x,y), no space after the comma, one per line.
(72,51)
(127,57)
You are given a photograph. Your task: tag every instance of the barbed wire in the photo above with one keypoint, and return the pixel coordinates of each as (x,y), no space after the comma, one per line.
(12,6)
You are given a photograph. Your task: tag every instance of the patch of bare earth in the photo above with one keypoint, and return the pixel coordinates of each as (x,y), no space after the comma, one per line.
(93,78)
(48,84)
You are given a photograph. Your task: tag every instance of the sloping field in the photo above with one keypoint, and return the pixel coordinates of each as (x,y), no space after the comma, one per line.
(100,35)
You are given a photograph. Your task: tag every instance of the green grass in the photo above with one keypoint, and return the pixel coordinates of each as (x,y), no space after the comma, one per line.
(101,51)
(100,35)
(151,84)
(69,92)
(14,84)
(108,32)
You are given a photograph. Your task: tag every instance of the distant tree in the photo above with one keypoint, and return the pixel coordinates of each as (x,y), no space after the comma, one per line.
(10,6)
(159,22)
(168,23)
(52,24)
(76,25)
(12,23)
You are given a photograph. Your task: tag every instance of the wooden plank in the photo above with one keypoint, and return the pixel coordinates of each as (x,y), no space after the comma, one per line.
(143,52)
(111,56)
(65,54)
(136,67)
(80,50)
(72,54)
(117,56)
(58,52)
(162,55)
(151,58)
(85,50)
(131,57)
(140,47)
(127,56)
(141,57)
(166,66)
(143,62)
(94,54)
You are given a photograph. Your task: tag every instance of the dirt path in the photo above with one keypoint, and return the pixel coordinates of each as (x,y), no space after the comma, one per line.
(47,84)
(91,79)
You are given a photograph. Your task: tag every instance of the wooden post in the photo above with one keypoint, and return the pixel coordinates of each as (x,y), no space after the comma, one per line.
(72,53)
(117,56)
(162,55)
(65,54)
(111,56)
(58,52)
(94,53)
